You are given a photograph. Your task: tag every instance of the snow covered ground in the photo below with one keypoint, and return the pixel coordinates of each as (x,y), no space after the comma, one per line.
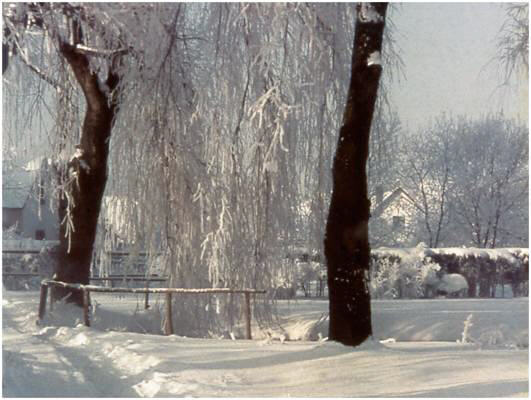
(420,358)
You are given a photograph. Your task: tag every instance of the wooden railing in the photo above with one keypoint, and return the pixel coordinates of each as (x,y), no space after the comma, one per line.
(112,278)
(19,274)
(168,326)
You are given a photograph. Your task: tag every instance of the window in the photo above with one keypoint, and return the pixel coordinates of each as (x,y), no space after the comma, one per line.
(399,222)
(40,234)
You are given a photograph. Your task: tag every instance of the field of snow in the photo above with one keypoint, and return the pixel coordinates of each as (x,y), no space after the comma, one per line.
(416,352)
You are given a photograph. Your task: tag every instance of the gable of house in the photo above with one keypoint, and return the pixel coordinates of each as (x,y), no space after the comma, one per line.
(16,187)
(394,203)
(394,219)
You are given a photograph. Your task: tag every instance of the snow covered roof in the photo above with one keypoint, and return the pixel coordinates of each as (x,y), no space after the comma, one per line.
(394,195)
(16,186)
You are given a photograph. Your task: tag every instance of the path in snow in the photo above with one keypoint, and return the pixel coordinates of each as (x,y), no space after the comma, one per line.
(87,362)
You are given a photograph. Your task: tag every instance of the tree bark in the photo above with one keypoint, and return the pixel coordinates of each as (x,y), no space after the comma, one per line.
(86,177)
(347,241)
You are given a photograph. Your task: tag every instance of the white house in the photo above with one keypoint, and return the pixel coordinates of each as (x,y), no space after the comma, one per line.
(394,219)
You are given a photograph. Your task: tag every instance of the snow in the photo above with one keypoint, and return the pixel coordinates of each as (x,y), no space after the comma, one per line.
(420,354)
(369,14)
(422,251)
(78,156)
(375,58)
(451,283)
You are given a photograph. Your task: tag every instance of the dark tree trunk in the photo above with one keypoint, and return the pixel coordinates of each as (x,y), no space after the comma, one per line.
(347,240)
(85,177)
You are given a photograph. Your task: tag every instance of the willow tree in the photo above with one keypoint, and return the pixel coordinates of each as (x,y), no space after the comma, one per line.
(74,36)
(347,240)
(513,41)
(220,138)
(220,173)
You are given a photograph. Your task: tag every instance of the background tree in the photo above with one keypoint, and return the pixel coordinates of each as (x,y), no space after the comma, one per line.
(490,196)
(346,242)
(469,179)
(427,162)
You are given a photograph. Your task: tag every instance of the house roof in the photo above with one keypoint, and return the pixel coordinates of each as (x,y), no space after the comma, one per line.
(16,187)
(390,198)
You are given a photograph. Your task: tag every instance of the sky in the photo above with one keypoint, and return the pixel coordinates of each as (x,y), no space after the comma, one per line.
(448,51)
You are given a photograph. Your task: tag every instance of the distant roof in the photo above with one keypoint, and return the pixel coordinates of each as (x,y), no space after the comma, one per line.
(16,186)
(398,192)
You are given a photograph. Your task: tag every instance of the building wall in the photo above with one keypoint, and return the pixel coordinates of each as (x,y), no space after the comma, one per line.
(32,220)
(10,216)
(385,232)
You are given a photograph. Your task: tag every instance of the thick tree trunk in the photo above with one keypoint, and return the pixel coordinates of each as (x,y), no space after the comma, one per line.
(347,241)
(85,178)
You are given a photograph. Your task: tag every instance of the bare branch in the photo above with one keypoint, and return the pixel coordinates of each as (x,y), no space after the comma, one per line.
(90,51)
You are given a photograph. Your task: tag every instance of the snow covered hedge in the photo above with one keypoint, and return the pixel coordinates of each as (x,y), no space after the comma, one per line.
(422,272)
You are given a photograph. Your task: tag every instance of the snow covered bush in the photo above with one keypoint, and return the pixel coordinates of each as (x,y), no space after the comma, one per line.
(393,278)
(19,264)
(453,284)
(310,275)
(463,271)
(465,336)
(384,278)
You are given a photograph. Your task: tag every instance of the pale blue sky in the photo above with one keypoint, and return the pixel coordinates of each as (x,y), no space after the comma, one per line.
(446,49)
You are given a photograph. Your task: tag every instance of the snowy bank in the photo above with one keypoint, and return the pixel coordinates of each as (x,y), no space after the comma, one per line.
(77,361)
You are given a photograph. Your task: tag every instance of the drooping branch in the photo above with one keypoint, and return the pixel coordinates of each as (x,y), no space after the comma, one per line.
(45,77)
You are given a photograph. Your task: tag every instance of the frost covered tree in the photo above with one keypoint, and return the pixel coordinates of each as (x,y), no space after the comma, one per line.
(427,160)
(490,182)
(469,178)
(218,158)
(66,45)
(346,242)
(513,41)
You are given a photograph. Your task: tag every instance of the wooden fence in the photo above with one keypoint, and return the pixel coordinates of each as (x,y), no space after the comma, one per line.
(168,327)
(111,278)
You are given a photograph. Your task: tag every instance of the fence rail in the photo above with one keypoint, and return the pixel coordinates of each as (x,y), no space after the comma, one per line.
(112,278)
(128,278)
(21,251)
(168,327)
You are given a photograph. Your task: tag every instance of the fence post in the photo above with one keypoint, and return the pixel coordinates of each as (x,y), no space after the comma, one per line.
(146,305)
(52,300)
(248,316)
(168,326)
(503,281)
(86,302)
(42,302)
